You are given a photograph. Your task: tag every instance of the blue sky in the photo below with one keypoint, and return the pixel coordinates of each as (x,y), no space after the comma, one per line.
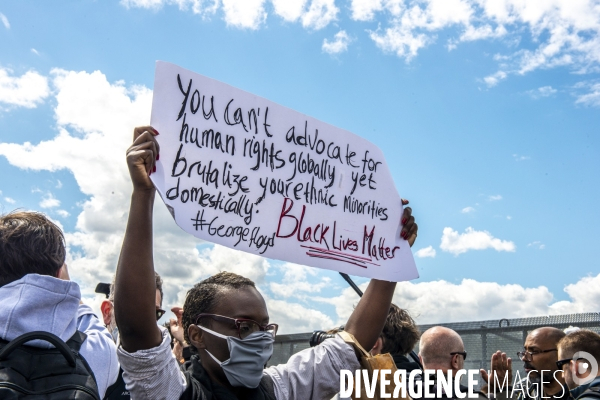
(487,112)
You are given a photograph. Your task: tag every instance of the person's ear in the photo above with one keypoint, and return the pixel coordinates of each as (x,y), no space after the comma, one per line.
(196,337)
(454,362)
(63,273)
(106,308)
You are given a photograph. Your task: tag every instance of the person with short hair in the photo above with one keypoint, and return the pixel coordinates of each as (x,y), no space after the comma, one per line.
(36,293)
(576,370)
(539,355)
(399,336)
(225,320)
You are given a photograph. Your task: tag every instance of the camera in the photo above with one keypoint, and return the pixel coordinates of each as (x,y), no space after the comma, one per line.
(319,336)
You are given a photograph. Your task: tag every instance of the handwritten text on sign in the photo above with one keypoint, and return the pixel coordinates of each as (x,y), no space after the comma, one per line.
(244,172)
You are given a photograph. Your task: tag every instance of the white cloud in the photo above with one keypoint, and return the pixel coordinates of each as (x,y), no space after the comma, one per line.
(63,213)
(149,4)
(4,21)
(458,243)
(289,10)
(49,201)
(320,14)
(10,200)
(27,90)
(591,96)
(473,33)
(494,79)
(496,197)
(585,296)
(508,217)
(559,32)
(295,282)
(426,252)
(537,245)
(467,210)
(544,91)
(249,14)
(295,318)
(34,51)
(364,10)
(538,35)
(518,157)
(470,300)
(339,44)
(204,8)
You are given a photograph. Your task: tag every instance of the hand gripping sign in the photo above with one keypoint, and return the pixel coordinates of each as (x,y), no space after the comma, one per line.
(241,171)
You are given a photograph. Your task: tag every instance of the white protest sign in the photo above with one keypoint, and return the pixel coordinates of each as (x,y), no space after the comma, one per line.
(244,172)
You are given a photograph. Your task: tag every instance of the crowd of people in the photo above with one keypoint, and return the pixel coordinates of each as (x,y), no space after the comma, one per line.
(52,346)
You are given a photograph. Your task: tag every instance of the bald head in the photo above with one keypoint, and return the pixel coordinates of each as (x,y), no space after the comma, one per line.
(436,345)
(548,335)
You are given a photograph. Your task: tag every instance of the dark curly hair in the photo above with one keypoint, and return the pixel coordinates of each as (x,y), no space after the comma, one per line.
(29,244)
(202,298)
(400,333)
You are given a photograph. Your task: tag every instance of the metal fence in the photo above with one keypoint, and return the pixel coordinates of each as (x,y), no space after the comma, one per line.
(481,338)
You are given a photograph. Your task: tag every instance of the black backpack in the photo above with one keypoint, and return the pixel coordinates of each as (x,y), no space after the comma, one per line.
(50,374)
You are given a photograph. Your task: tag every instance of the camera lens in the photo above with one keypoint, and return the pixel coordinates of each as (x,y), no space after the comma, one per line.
(318,337)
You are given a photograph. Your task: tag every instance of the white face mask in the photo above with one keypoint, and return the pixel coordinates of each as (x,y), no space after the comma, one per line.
(247,357)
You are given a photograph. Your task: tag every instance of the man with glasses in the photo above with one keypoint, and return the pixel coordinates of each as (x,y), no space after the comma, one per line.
(118,390)
(579,355)
(225,319)
(442,349)
(539,355)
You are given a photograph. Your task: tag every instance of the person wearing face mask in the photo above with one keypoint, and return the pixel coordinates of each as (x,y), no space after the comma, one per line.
(225,321)
(118,391)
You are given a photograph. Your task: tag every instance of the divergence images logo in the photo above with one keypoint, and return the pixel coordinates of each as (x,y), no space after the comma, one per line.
(583,366)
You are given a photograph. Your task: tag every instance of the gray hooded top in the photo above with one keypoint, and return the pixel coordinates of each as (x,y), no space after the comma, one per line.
(44,303)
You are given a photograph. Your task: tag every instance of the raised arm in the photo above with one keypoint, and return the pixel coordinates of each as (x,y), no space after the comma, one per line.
(135,287)
(368,318)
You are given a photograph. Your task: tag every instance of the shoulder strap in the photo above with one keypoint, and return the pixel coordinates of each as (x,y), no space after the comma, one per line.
(351,340)
(39,335)
(76,340)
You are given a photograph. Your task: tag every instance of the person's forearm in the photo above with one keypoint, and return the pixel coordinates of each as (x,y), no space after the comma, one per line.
(368,318)
(135,285)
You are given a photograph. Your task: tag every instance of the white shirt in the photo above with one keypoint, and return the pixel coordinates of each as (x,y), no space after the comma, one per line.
(313,373)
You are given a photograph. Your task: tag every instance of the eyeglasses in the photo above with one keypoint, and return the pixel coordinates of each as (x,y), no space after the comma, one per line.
(462,353)
(244,326)
(560,363)
(528,355)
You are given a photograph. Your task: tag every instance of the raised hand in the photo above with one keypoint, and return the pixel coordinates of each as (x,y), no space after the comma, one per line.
(409,229)
(141,156)
(501,367)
